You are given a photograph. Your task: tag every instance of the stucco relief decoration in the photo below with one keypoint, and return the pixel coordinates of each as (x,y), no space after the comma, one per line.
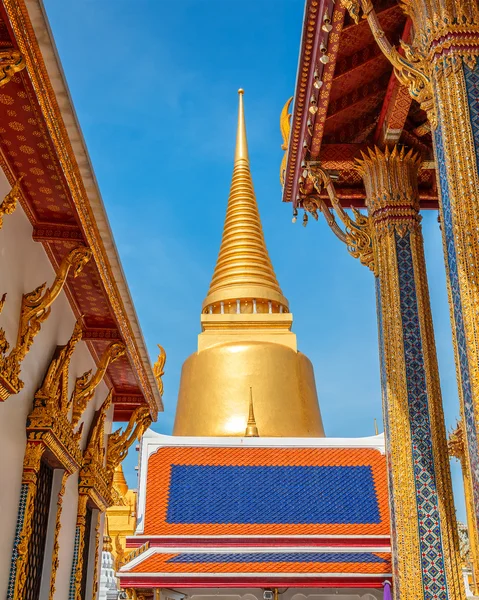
(86,384)
(35,309)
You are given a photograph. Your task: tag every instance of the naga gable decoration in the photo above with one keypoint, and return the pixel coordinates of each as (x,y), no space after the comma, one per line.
(120,441)
(35,309)
(159,369)
(86,384)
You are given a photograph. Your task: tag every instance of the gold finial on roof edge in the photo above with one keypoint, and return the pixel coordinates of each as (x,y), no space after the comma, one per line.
(243,268)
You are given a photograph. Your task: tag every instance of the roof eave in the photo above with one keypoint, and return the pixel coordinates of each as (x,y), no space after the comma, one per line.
(35,40)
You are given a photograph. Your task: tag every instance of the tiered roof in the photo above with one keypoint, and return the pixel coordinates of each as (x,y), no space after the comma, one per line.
(260,511)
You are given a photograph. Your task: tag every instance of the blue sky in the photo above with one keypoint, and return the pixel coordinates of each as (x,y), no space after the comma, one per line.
(154,84)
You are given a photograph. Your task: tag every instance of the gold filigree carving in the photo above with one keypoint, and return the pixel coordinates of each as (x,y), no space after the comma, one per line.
(456,445)
(56,543)
(159,369)
(358,234)
(86,384)
(2,304)
(11,62)
(48,420)
(31,467)
(120,441)
(35,309)
(96,558)
(94,481)
(10,201)
(285,128)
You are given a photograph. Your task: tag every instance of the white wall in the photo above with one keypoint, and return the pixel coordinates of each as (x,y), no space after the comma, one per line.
(23,266)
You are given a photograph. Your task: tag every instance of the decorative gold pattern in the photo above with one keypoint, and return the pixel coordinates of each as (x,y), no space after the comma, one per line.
(120,441)
(31,467)
(35,309)
(390,179)
(159,368)
(56,544)
(86,384)
(456,445)
(11,62)
(285,128)
(10,201)
(358,235)
(96,558)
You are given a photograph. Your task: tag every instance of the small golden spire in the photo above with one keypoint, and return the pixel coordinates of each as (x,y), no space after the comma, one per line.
(119,481)
(376,427)
(107,545)
(251,428)
(243,269)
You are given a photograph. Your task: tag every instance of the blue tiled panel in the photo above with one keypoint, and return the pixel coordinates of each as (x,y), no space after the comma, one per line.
(471,430)
(272,494)
(432,558)
(299,557)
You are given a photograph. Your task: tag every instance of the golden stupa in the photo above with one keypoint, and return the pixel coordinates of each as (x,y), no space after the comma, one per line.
(246,348)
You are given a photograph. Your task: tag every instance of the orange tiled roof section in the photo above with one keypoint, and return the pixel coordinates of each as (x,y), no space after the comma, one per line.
(159,479)
(161,563)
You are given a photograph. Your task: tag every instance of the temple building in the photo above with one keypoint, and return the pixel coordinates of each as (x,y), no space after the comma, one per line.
(72,356)
(384,118)
(248,499)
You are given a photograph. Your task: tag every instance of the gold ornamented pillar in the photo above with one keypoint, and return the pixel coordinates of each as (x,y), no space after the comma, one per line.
(56,542)
(24,530)
(441,71)
(426,562)
(456,448)
(389,241)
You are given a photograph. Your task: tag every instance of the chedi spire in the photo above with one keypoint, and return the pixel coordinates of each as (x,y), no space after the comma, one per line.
(244,273)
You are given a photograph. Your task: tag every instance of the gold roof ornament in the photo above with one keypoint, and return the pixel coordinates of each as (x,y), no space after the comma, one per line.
(243,269)
(251,427)
(159,369)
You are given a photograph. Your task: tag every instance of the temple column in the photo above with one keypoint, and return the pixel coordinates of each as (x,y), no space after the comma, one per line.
(442,73)
(389,241)
(424,535)
(456,139)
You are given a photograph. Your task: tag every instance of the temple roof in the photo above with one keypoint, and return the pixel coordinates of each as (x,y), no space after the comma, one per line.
(253,562)
(41,141)
(347,98)
(258,486)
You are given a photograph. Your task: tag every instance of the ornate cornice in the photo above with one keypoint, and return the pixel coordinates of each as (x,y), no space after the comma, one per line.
(27,42)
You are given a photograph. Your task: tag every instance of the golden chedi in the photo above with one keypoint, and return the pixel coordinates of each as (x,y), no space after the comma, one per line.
(246,340)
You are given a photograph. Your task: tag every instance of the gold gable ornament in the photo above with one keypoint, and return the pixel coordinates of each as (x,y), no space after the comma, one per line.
(35,309)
